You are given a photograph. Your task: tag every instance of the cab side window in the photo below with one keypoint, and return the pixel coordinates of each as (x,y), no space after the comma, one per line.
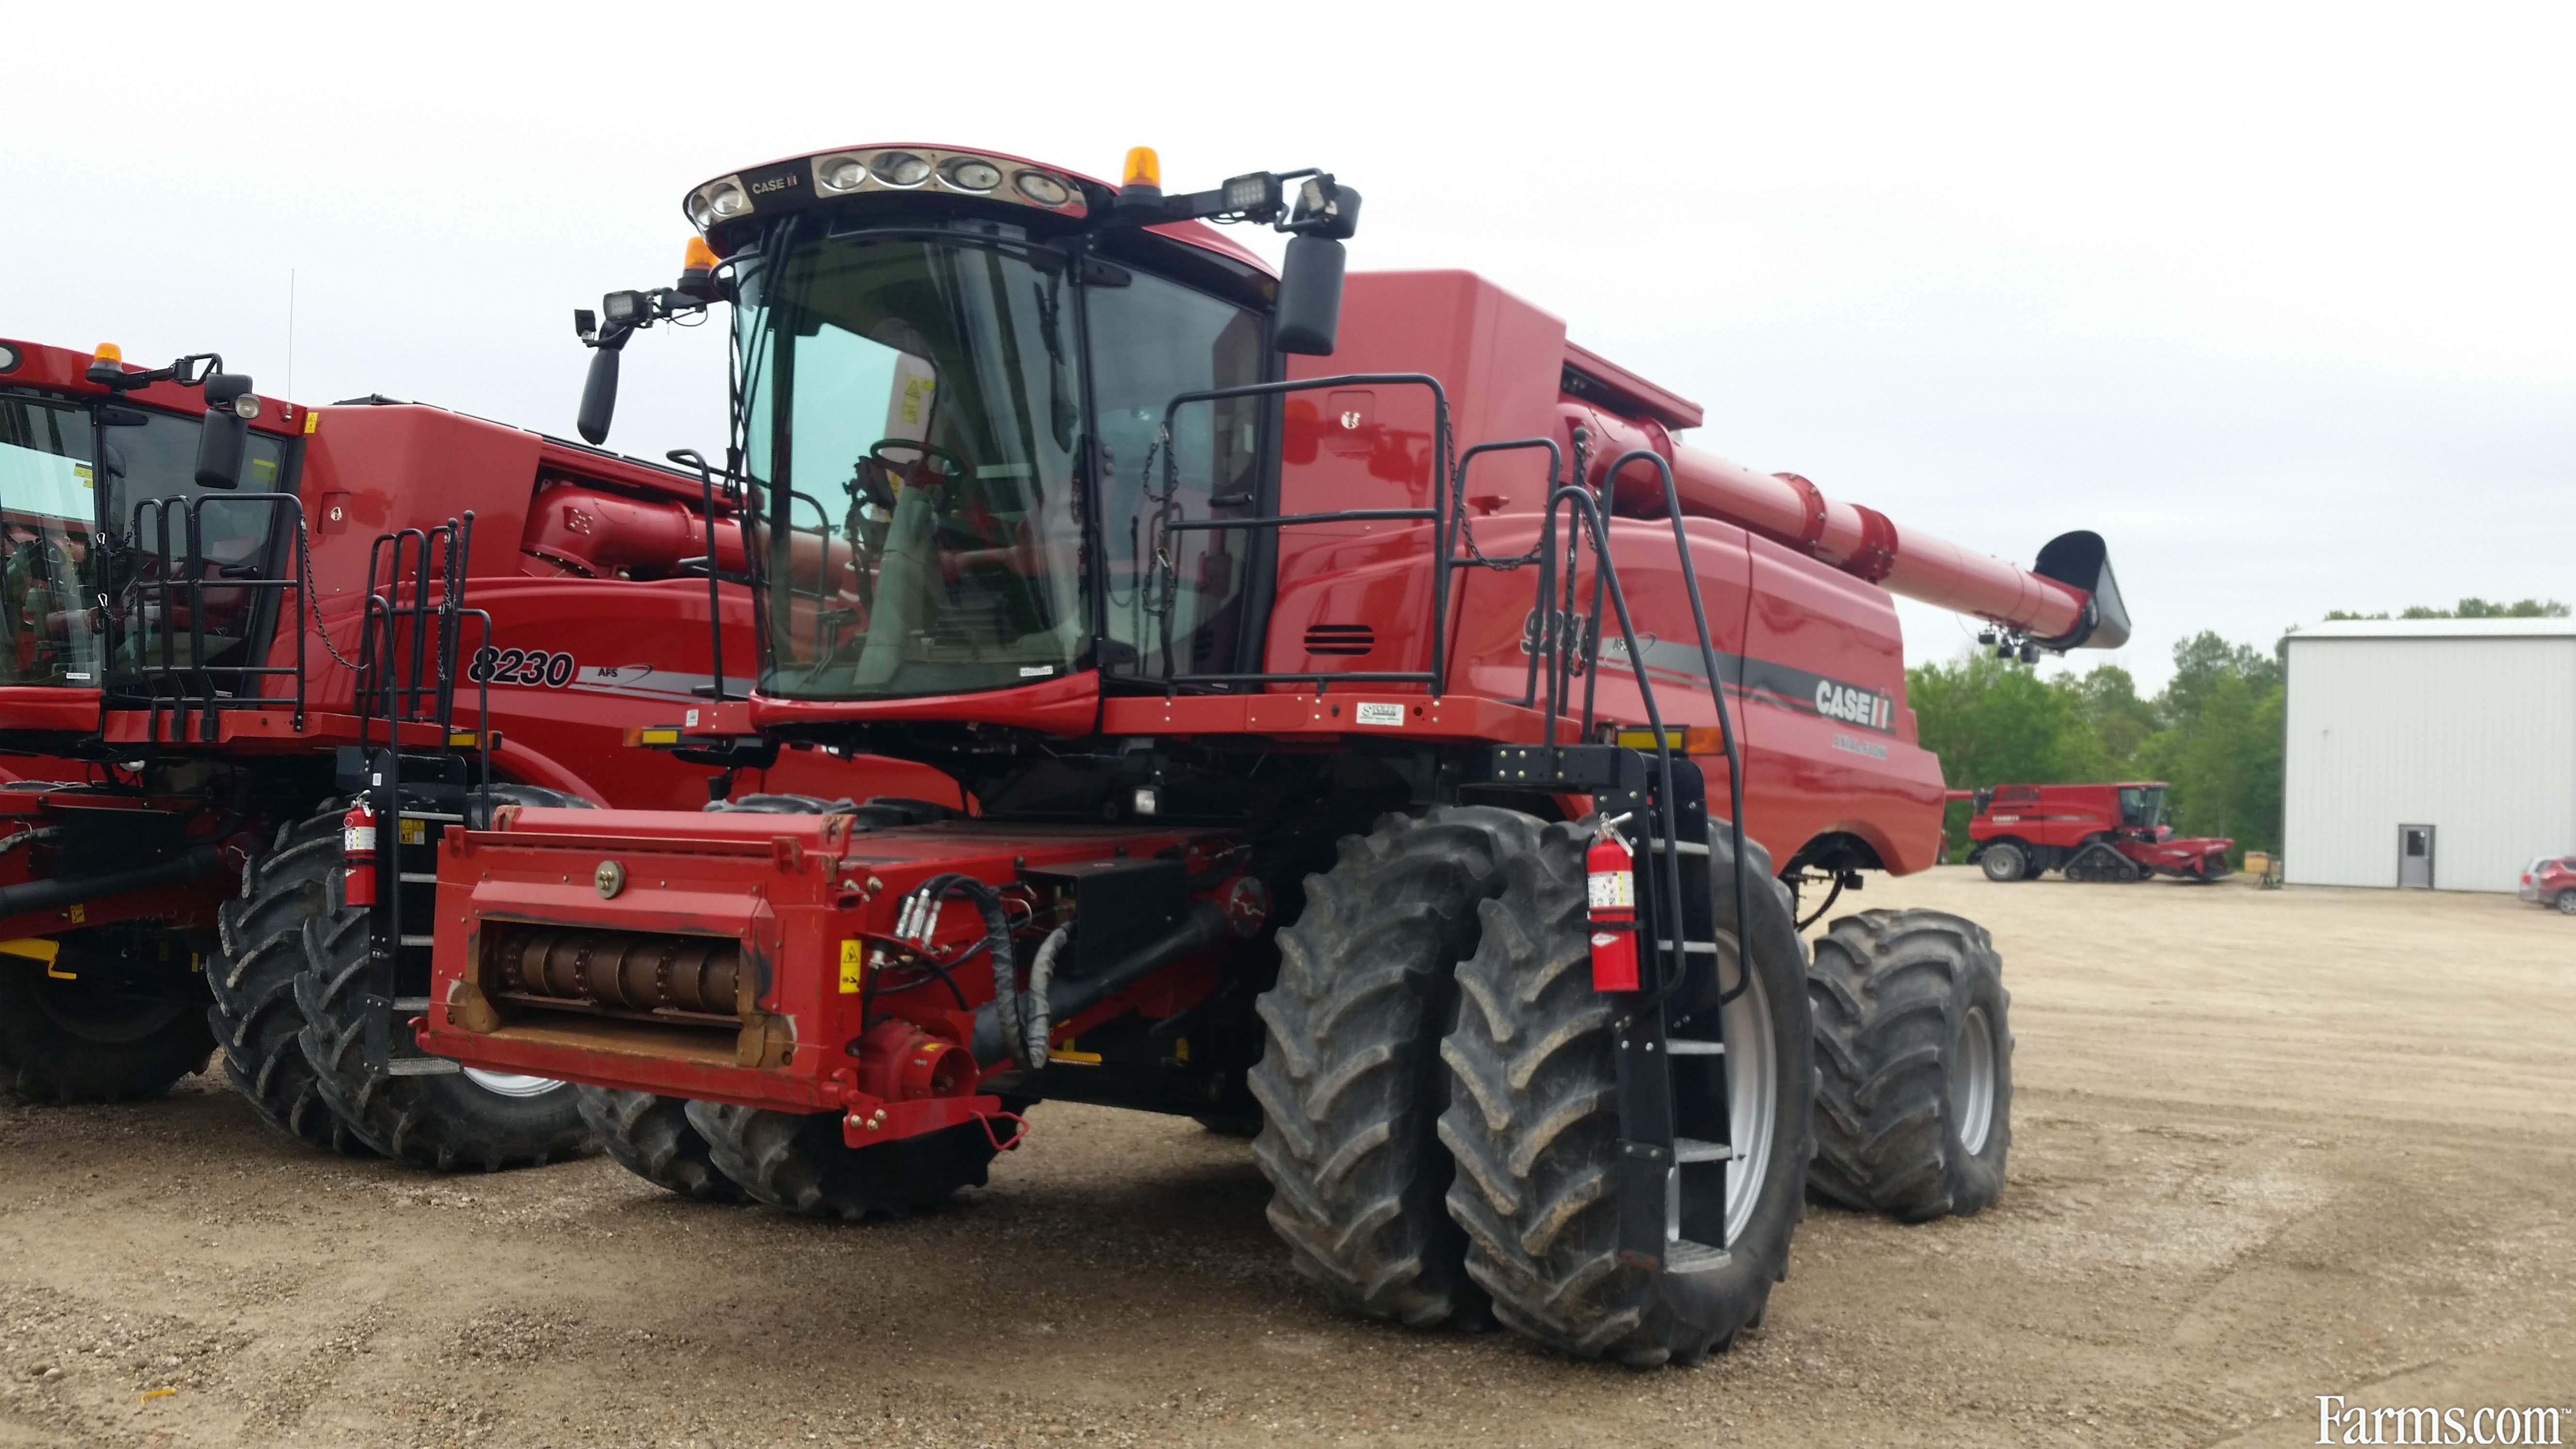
(1151,340)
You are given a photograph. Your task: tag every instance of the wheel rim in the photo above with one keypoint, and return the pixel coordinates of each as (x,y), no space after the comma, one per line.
(2003,862)
(1752,1101)
(513,1084)
(2567,902)
(1972,1081)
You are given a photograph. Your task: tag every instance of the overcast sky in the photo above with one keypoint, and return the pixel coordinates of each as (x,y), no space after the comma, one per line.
(2278,299)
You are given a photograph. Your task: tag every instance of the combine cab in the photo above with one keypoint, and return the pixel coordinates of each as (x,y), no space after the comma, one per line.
(1411,758)
(2088,832)
(236,641)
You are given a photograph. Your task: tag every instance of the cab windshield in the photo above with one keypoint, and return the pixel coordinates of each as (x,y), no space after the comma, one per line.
(49,568)
(914,416)
(915,412)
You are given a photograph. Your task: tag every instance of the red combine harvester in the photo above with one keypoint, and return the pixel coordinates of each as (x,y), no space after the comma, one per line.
(2088,832)
(1435,809)
(222,612)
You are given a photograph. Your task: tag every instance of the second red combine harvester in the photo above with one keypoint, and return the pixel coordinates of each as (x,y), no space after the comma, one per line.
(1437,811)
(2108,833)
(223,614)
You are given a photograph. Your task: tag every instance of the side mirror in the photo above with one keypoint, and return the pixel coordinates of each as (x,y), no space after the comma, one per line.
(599,393)
(224,438)
(1310,296)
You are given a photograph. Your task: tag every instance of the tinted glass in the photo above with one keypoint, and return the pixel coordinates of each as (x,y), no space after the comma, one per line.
(1152,340)
(915,417)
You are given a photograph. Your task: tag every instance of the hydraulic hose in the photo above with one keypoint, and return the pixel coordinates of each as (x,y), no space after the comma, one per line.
(1036,1010)
(43,895)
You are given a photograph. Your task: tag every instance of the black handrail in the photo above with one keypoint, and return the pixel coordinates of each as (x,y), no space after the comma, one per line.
(1717,692)
(1167,520)
(182,577)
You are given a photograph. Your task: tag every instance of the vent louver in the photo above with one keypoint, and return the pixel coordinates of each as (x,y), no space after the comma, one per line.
(1341,639)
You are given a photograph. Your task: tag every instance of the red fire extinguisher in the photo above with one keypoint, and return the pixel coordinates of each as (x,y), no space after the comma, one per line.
(1612,878)
(358,851)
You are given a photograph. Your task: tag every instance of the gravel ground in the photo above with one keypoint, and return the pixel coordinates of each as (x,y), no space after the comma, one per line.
(2267,1146)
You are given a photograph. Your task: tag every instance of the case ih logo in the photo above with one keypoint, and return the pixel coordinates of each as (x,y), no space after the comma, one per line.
(1852,705)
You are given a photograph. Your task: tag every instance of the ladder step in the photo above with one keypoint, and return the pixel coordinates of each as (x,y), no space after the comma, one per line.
(429,815)
(420,940)
(1693,948)
(1692,1149)
(422,1067)
(411,1003)
(420,877)
(1681,1255)
(1683,1048)
(1683,847)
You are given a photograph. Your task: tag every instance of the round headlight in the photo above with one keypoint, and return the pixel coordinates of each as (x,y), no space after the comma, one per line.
(8,358)
(900,168)
(726,200)
(844,174)
(1041,188)
(247,405)
(969,173)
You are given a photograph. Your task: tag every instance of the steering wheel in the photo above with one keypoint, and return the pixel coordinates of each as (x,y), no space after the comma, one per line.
(956,466)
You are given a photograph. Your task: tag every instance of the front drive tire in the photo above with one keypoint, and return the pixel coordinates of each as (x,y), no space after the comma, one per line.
(453,1122)
(653,1138)
(1350,1081)
(1533,1120)
(1914,1051)
(252,978)
(66,1041)
(2004,861)
(800,1163)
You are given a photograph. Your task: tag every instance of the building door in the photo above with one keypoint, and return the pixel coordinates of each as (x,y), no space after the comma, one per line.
(2415,857)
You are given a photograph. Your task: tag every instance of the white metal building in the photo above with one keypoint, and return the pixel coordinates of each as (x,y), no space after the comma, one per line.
(2429,752)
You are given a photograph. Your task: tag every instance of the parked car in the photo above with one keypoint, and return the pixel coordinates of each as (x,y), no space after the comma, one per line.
(2551,880)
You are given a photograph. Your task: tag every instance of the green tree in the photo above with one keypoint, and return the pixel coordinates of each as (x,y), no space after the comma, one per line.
(1993,721)
(2469,608)
(2107,704)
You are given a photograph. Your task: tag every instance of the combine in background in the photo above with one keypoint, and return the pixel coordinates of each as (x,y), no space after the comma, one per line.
(2086,832)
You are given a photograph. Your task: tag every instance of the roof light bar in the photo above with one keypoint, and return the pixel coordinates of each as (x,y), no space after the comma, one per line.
(911,169)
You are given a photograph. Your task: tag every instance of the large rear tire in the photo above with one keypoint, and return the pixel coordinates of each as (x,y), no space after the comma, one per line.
(1533,1120)
(252,978)
(72,1040)
(800,1164)
(1914,1049)
(1350,1081)
(653,1138)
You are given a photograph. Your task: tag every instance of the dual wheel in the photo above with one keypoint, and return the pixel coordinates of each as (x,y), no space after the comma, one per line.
(1440,1089)
(287,1015)
(797,1163)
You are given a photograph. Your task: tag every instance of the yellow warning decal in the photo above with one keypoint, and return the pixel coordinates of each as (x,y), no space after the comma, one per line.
(854,970)
(312,419)
(415,832)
